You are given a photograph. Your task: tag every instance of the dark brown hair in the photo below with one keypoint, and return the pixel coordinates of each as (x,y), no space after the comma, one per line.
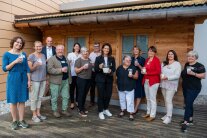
(78,45)
(153,48)
(110,49)
(15,39)
(166,62)
(96,43)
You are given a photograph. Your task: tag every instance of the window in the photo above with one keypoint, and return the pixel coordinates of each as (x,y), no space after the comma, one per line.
(127,44)
(129,41)
(73,40)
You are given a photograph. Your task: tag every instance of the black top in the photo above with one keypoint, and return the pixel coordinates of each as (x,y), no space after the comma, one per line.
(104,77)
(64,63)
(141,61)
(124,82)
(189,81)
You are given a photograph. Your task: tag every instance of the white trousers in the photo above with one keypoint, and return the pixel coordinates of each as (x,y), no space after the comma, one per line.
(168,97)
(126,99)
(37,92)
(151,94)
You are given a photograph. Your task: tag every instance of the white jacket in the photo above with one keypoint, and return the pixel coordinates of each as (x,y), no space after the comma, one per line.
(172,72)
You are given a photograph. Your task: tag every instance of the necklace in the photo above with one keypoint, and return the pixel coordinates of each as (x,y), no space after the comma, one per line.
(76,54)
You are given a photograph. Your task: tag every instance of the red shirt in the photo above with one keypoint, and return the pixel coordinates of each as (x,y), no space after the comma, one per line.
(153,70)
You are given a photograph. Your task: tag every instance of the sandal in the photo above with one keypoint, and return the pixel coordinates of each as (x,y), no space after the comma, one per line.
(135,112)
(131,117)
(121,114)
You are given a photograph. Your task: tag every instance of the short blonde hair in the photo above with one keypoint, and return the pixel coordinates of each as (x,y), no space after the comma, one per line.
(136,48)
(37,42)
(193,53)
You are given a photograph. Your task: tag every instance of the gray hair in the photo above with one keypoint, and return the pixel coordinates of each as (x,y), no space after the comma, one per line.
(193,53)
(127,56)
(84,49)
(60,46)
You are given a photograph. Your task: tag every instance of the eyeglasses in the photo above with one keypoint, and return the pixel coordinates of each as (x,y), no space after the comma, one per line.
(191,56)
(84,52)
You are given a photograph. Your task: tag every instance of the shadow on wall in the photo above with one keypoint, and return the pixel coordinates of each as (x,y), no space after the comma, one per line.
(200,45)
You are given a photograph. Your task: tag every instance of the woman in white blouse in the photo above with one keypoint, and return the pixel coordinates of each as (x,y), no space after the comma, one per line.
(72,57)
(171,70)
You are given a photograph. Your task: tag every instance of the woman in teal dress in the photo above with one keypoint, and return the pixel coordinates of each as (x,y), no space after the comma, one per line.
(18,81)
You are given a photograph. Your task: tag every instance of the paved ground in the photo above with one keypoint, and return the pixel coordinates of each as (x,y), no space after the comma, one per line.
(114,127)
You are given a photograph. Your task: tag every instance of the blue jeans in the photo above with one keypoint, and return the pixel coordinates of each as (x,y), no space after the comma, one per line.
(189,97)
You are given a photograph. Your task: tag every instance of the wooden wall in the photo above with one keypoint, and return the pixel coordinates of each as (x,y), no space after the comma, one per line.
(9,8)
(177,34)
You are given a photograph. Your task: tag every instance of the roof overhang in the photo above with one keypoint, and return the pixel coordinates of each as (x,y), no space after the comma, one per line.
(116,14)
(81,5)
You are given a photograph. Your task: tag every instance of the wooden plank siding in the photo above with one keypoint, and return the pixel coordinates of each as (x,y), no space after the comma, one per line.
(3,95)
(174,34)
(9,8)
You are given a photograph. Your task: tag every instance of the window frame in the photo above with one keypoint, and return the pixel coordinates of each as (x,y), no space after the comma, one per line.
(135,35)
(75,35)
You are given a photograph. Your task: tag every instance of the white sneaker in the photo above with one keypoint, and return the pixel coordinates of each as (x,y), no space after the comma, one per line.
(106,112)
(41,117)
(36,119)
(163,118)
(167,120)
(101,116)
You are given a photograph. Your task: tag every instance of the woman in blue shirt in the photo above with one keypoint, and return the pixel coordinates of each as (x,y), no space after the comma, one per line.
(18,80)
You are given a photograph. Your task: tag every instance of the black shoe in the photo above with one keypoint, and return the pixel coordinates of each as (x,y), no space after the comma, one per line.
(82,114)
(72,106)
(131,117)
(184,127)
(91,104)
(189,123)
(23,124)
(121,114)
(85,111)
(135,112)
(14,125)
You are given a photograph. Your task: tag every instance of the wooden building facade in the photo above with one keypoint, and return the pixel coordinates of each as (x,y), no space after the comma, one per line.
(11,8)
(164,25)
(176,34)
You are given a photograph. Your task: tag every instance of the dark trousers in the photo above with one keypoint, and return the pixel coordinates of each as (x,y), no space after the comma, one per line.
(104,95)
(93,88)
(83,88)
(189,97)
(73,89)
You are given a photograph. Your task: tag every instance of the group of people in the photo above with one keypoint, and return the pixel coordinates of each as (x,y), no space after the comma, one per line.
(73,76)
